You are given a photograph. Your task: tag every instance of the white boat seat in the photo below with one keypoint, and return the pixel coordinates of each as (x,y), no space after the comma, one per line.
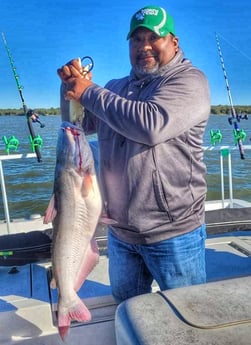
(216,313)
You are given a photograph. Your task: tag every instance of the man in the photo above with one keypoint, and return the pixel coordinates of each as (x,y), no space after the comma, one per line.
(150,128)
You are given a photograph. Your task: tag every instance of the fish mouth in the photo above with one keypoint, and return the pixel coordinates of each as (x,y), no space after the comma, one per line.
(70,126)
(72,135)
(74,131)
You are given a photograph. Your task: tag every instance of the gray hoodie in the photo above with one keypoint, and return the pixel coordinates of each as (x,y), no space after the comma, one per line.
(150,134)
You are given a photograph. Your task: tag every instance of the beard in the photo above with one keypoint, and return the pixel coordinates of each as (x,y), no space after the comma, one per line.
(142,71)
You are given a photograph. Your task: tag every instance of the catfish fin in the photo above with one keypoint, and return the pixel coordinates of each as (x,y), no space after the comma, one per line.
(89,261)
(87,184)
(53,284)
(51,211)
(79,313)
(104,219)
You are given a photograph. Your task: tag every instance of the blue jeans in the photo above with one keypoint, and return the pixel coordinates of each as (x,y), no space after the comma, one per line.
(176,262)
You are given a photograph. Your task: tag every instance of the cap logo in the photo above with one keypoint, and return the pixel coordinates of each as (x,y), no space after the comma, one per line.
(153,18)
(146,11)
(162,23)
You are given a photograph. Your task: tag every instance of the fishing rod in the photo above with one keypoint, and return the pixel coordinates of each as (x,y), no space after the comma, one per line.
(30,115)
(239,134)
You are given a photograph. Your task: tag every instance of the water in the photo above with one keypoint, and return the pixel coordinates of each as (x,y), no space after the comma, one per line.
(29,183)
(241,169)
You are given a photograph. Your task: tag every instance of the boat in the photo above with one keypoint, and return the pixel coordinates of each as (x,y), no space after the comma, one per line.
(218,312)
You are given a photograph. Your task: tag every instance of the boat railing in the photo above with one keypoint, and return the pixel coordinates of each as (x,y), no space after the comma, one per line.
(2,180)
(225,152)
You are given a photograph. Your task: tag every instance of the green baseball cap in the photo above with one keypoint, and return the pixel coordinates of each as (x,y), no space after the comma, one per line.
(153,18)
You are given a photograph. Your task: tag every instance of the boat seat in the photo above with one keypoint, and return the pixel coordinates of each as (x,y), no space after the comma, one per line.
(216,313)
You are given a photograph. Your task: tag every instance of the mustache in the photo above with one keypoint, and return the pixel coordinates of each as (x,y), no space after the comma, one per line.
(143,55)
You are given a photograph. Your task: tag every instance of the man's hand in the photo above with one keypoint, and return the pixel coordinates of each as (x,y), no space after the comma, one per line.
(77,80)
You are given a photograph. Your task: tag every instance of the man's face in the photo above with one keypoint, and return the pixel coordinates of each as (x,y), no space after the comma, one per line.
(149,52)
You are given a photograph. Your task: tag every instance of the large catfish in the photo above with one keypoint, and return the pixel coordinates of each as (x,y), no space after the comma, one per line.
(74,210)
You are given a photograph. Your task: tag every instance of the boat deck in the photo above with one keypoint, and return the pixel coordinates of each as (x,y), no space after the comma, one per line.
(28,311)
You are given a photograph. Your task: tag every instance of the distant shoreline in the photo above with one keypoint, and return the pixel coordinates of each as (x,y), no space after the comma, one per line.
(215,110)
(39,111)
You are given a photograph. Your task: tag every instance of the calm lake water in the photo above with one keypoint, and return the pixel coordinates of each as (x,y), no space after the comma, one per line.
(29,183)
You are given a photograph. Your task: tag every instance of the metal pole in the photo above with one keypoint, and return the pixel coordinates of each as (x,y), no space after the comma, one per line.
(222,181)
(2,181)
(4,196)
(230,180)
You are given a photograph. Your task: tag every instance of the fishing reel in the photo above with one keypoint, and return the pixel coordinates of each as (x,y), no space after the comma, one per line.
(238,118)
(34,117)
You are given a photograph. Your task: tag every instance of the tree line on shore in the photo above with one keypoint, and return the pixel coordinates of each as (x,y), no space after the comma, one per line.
(39,111)
(226,109)
(215,110)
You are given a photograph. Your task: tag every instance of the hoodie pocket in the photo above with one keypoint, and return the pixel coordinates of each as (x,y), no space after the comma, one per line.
(160,195)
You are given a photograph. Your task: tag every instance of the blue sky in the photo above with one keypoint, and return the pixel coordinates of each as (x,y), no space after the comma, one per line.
(43,35)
